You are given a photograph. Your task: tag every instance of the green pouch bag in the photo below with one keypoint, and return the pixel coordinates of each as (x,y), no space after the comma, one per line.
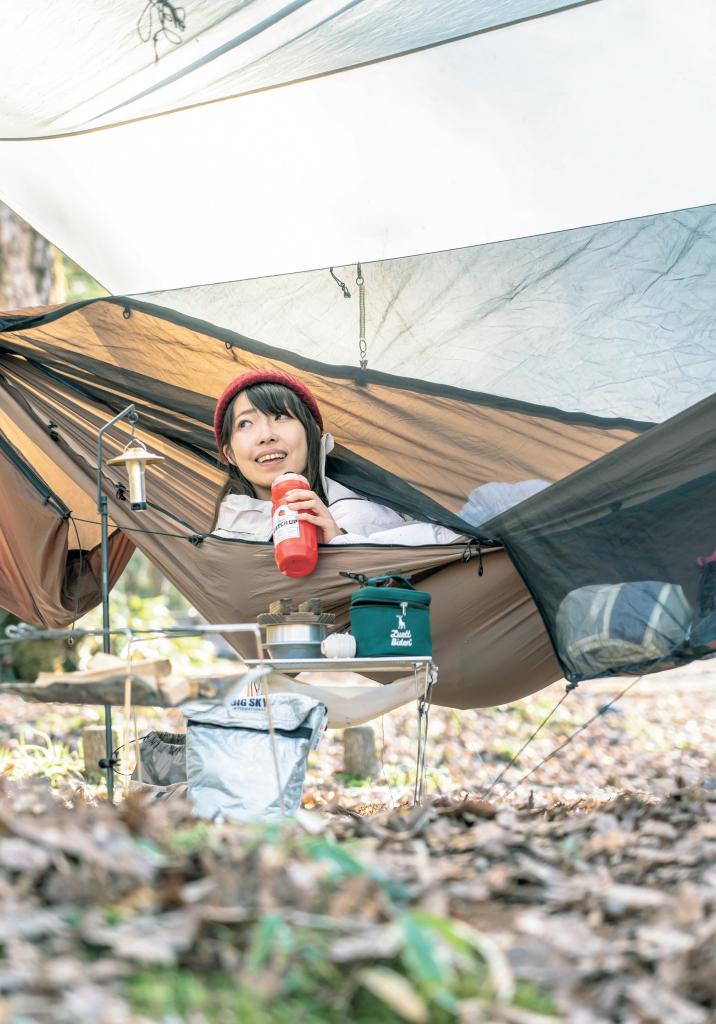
(390,621)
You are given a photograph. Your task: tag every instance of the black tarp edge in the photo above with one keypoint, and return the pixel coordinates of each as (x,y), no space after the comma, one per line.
(343,372)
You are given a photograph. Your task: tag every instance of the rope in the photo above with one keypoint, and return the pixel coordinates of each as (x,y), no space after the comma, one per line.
(568,689)
(127,716)
(341,284)
(171,22)
(136,529)
(137,749)
(116,751)
(602,710)
(274,752)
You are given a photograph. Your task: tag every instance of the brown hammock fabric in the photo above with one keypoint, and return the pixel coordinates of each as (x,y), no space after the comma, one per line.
(421,448)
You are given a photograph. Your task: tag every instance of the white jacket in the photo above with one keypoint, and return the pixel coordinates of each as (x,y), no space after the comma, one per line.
(365,522)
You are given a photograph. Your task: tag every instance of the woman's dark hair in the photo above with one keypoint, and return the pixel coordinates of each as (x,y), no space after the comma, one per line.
(272,399)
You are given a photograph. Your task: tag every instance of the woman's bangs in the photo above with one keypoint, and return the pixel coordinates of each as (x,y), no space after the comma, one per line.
(274,400)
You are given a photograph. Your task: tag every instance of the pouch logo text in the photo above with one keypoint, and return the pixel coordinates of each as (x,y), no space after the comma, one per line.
(401,636)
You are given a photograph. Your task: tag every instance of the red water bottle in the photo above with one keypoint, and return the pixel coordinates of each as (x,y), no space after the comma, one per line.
(295,542)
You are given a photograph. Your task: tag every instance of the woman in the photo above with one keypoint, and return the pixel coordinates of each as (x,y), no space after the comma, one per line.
(267,423)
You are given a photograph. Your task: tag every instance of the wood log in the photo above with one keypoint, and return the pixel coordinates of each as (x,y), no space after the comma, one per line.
(93,749)
(359,757)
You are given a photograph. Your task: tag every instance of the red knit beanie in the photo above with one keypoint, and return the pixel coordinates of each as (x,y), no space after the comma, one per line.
(251,377)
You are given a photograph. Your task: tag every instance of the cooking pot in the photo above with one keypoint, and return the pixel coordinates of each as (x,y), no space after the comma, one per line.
(295,639)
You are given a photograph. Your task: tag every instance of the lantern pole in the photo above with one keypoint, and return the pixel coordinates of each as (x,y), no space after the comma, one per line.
(131,415)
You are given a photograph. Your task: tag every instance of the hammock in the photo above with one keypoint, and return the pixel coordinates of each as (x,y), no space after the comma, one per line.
(417,447)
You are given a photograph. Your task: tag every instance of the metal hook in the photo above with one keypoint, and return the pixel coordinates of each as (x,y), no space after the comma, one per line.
(343,287)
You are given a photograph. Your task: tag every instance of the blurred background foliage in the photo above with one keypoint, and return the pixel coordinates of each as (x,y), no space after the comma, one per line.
(75,283)
(144,599)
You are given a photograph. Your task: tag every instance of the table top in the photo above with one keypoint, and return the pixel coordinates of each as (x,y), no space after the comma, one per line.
(362,665)
(108,686)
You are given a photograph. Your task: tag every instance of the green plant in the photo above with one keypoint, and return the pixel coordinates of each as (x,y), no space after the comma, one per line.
(397,777)
(189,840)
(505,751)
(288,976)
(54,760)
(345,864)
(530,997)
(354,781)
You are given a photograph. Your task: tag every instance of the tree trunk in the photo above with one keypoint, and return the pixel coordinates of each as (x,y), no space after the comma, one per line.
(94,748)
(28,265)
(359,759)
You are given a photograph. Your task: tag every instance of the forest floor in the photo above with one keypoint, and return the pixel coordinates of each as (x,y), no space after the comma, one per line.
(585,893)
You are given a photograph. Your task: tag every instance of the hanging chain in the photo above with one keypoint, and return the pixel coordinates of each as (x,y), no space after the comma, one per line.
(362,345)
(360,282)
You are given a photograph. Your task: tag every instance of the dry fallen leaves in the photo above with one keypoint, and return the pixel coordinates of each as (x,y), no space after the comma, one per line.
(595,883)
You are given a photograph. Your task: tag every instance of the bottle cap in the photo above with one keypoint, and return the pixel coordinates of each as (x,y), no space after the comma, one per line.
(289,476)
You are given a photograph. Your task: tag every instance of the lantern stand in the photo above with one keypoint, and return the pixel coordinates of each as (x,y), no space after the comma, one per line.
(130,414)
(135,459)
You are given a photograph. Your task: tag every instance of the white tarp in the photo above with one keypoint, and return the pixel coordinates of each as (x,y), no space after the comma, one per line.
(76,64)
(614,320)
(590,115)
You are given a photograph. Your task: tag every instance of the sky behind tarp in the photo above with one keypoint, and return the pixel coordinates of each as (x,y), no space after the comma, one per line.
(589,115)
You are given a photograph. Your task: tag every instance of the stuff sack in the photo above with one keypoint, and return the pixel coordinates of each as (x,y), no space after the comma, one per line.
(163,758)
(230,755)
(391,621)
(610,627)
(703,630)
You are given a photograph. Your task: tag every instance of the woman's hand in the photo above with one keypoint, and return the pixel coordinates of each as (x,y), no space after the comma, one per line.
(310,508)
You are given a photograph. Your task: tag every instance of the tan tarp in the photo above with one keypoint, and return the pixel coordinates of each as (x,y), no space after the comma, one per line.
(80,368)
(43,578)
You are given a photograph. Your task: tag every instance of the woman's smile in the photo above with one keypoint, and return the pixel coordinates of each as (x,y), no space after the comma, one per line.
(264,445)
(271,457)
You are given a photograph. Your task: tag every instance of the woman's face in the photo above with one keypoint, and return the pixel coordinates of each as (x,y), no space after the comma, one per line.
(264,445)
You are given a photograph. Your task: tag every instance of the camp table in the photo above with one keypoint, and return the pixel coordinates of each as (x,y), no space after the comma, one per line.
(85,688)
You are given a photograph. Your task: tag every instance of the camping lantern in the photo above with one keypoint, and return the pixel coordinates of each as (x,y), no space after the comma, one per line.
(136,458)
